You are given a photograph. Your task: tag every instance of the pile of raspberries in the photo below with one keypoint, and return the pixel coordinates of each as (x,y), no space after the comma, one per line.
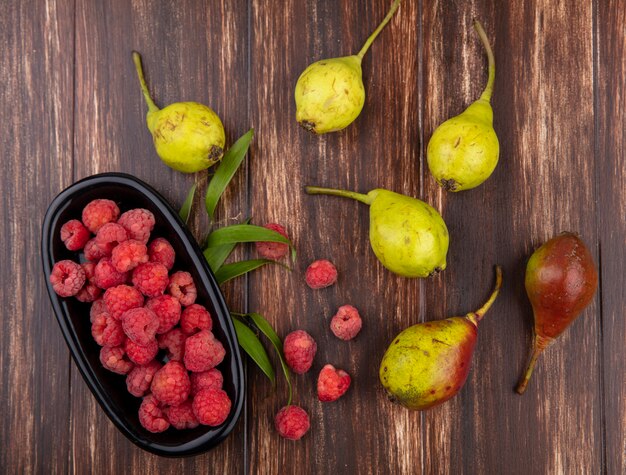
(139,308)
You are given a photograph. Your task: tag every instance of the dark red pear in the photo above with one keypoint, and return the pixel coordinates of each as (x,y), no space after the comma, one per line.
(561,280)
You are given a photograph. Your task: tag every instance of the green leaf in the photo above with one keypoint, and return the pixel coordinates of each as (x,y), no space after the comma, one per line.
(253,347)
(216,256)
(235,269)
(246,233)
(185,210)
(226,170)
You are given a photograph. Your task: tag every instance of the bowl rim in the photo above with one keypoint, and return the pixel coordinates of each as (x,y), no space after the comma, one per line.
(194,446)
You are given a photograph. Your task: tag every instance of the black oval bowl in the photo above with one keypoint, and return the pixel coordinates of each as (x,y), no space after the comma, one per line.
(73,316)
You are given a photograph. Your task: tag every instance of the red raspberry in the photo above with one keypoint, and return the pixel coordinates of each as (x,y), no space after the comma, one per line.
(170,384)
(292,422)
(107,331)
(138,223)
(151,415)
(98,307)
(211,407)
(106,276)
(129,254)
(151,278)
(174,342)
(273,250)
(139,379)
(182,416)
(346,323)
(299,348)
(92,252)
(99,212)
(121,298)
(141,354)
(332,383)
(320,274)
(182,287)
(67,278)
(203,352)
(140,325)
(74,235)
(211,379)
(195,318)
(167,309)
(115,359)
(160,250)
(90,291)
(109,236)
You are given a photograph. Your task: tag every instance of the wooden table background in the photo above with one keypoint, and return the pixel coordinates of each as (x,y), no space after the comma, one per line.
(71,107)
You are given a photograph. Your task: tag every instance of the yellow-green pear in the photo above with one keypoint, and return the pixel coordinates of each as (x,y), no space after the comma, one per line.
(408,236)
(188,136)
(463,151)
(330,93)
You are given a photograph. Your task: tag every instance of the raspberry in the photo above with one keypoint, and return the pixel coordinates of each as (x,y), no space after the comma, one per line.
(332,383)
(139,379)
(211,379)
(174,342)
(138,224)
(129,254)
(167,309)
(346,323)
(151,278)
(107,331)
(170,384)
(109,236)
(92,252)
(99,212)
(141,354)
(203,352)
(90,291)
(182,416)
(195,318)
(299,348)
(114,359)
(74,235)
(160,250)
(97,308)
(121,298)
(182,287)
(273,250)
(140,325)
(320,274)
(151,415)
(211,407)
(67,278)
(106,276)
(292,422)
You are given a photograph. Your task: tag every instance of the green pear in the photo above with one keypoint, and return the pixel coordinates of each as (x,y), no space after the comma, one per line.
(408,236)
(330,93)
(428,363)
(463,151)
(187,136)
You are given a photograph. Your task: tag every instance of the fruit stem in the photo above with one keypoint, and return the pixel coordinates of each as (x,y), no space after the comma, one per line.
(538,346)
(142,82)
(370,40)
(316,190)
(486,95)
(477,316)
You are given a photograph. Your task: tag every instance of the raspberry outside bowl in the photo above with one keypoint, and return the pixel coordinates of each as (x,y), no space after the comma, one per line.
(109,388)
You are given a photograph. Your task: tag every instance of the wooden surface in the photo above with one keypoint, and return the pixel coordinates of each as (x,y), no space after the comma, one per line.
(71,107)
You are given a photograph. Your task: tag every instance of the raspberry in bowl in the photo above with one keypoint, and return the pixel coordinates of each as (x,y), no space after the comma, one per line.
(122,351)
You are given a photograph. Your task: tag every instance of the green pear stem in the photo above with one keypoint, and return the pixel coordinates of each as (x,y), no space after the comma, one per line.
(316,190)
(370,40)
(486,95)
(539,344)
(477,316)
(152,107)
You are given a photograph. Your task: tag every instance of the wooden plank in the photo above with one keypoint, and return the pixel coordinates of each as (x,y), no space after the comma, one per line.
(611,180)
(544,184)
(36,137)
(362,432)
(191,51)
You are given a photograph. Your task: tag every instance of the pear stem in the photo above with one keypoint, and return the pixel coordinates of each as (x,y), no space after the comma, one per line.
(477,316)
(370,40)
(486,95)
(316,190)
(538,347)
(152,107)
